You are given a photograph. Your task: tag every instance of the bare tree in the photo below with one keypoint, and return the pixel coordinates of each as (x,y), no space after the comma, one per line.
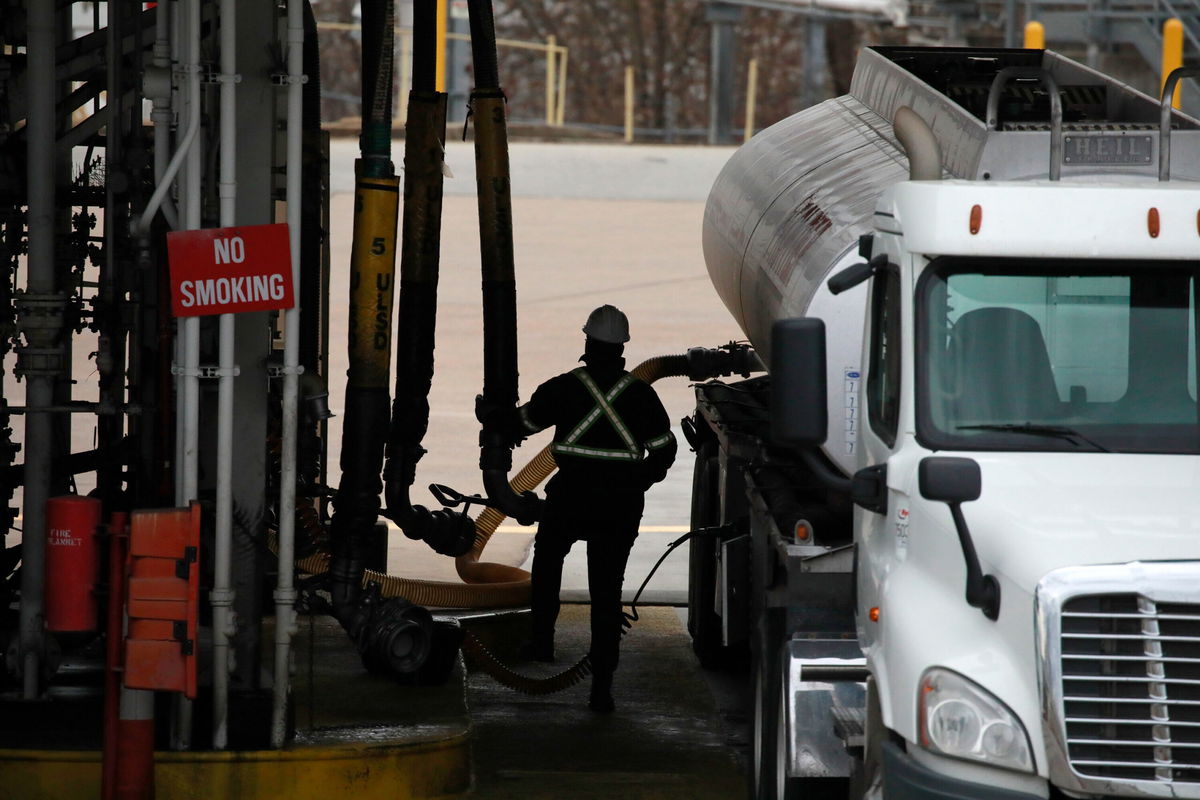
(340,61)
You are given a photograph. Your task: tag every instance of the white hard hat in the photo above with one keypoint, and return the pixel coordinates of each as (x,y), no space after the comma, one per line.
(608,324)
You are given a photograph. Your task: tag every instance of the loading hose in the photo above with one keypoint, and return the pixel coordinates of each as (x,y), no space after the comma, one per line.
(372,273)
(491,585)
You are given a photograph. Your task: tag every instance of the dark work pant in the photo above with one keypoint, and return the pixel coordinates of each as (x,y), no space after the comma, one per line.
(608,522)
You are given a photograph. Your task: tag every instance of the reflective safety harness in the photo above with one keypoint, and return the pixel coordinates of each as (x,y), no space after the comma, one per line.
(603,407)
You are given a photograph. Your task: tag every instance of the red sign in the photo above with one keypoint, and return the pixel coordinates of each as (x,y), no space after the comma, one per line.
(228,270)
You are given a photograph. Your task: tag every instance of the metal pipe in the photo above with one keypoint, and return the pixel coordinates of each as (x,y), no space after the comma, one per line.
(1164,119)
(38,323)
(183,152)
(157,86)
(188,399)
(285,592)
(1056,117)
(118,535)
(920,145)
(222,595)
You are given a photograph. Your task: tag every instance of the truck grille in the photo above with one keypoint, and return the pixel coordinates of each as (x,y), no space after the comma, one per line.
(1131,688)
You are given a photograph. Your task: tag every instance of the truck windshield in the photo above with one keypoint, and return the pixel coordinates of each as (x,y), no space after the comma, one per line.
(1077,356)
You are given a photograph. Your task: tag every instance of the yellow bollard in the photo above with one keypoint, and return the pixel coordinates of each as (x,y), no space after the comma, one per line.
(751,97)
(1035,36)
(1172,54)
(562,86)
(551,52)
(443,25)
(629,104)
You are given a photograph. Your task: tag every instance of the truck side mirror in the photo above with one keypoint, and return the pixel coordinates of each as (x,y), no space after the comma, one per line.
(949,480)
(955,481)
(799,410)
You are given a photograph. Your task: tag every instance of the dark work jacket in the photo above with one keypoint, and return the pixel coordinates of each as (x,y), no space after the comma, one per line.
(564,400)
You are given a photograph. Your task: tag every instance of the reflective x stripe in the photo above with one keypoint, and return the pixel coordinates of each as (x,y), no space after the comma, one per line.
(594,452)
(603,406)
(660,441)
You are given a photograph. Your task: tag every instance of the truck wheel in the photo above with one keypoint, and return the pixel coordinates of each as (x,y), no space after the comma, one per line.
(766,669)
(703,622)
(763,775)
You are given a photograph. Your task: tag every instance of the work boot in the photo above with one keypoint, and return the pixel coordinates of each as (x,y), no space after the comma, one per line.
(537,651)
(601,700)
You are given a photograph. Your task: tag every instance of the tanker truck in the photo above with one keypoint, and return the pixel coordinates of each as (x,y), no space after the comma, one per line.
(956,526)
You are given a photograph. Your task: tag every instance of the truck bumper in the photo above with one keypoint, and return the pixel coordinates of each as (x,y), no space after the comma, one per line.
(905,779)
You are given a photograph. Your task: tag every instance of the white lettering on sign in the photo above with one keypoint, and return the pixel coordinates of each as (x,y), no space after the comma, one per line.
(63,538)
(227,250)
(222,291)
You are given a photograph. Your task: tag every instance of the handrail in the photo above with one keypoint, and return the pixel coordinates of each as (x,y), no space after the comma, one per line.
(1164,120)
(993,108)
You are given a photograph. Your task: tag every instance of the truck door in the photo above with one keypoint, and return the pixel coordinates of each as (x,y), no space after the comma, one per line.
(881,534)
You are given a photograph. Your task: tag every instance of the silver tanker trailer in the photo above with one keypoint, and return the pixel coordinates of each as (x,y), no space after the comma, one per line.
(957,525)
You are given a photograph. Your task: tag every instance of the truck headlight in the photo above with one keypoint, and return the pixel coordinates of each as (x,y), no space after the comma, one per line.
(961,719)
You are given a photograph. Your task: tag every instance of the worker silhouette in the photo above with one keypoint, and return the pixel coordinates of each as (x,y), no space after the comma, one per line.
(612,441)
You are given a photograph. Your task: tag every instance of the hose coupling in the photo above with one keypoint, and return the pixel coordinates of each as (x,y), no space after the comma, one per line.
(315,397)
(393,636)
(735,358)
(525,508)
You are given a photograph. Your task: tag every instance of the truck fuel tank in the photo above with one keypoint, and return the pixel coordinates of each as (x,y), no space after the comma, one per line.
(784,214)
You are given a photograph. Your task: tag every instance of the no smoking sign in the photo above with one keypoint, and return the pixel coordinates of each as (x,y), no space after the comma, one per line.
(230,270)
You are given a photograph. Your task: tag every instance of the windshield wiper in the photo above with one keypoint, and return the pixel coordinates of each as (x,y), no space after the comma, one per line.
(1056,431)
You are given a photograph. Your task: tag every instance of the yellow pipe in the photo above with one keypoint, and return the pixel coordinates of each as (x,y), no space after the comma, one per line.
(1035,36)
(562,87)
(1172,54)
(372,280)
(751,97)
(629,104)
(550,54)
(443,25)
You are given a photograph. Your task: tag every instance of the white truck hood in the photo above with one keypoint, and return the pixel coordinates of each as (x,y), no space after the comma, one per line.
(1042,511)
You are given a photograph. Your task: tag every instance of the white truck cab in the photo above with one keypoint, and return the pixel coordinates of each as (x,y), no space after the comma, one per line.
(967,564)
(1045,332)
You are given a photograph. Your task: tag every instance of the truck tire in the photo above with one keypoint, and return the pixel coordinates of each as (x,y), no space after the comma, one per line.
(703,622)
(767,676)
(765,750)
